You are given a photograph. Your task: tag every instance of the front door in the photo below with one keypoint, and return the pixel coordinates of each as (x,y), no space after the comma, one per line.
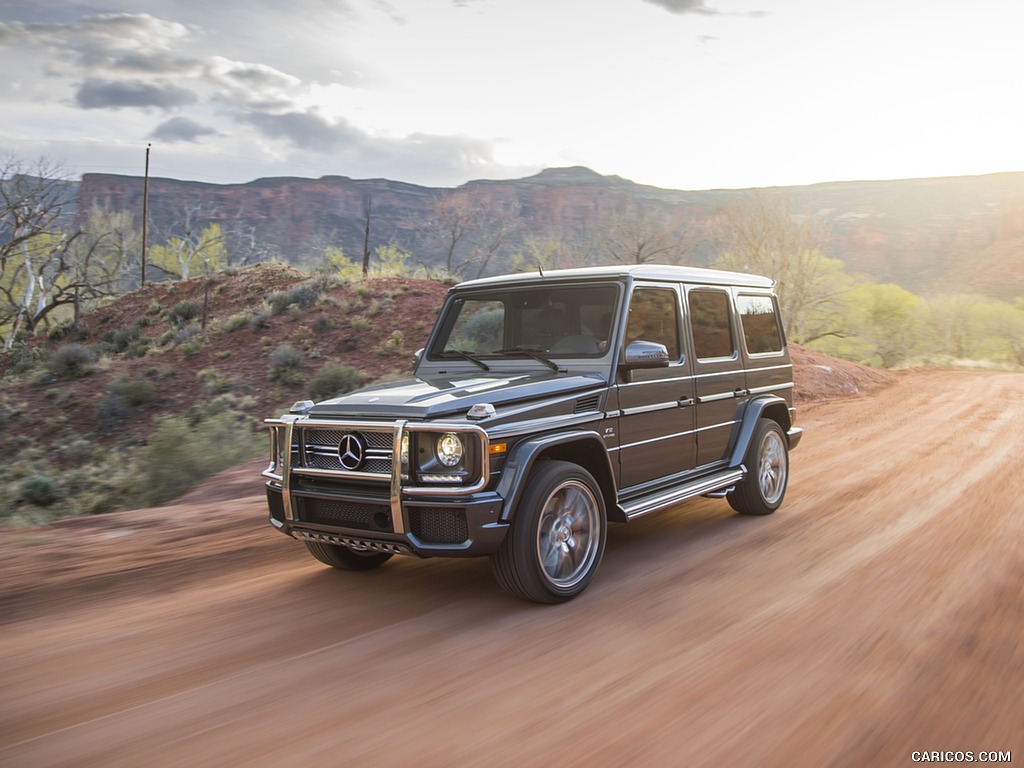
(656,413)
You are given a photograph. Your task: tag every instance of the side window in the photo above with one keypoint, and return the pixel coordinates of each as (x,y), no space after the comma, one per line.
(709,319)
(760,324)
(654,316)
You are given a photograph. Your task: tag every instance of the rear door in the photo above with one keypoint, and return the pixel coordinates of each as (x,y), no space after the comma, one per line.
(764,348)
(720,381)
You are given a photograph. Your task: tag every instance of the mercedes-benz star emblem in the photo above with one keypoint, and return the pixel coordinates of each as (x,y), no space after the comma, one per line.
(350,452)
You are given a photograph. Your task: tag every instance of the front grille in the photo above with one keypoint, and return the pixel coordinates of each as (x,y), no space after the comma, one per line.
(318,449)
(438,525)
(344,514)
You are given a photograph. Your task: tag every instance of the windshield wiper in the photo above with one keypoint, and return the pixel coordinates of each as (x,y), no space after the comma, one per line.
(466,356)
(530,353)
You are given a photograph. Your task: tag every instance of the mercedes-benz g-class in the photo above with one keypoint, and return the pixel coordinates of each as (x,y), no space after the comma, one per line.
(543,407)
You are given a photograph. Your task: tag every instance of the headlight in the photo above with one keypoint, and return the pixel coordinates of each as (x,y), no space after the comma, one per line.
(449,449)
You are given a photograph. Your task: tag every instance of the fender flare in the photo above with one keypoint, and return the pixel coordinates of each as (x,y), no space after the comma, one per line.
(525,454)
(752,412)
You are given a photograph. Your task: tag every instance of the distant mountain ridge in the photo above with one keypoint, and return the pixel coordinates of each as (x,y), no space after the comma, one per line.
(954,233)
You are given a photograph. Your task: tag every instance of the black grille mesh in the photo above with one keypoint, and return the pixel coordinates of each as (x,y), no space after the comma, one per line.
(345,514)
(438,525)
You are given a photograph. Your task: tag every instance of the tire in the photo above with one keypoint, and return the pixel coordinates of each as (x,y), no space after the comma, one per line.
(346,559)
(557,537)
(767,462)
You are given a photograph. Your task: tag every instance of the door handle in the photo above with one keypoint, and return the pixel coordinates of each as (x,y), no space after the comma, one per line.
(685,401)
(741,392)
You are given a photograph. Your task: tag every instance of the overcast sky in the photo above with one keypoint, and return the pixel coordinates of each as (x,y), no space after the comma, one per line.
(684,94)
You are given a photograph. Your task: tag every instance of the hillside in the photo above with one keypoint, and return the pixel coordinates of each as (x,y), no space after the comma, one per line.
(925,234)
(232,359)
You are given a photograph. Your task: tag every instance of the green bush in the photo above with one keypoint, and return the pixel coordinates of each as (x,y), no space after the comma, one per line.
(71,361)
(237,322)
(136,392)
(183,313)
(322,324)
(213,382)
(259,321)
(180,454)
(186,334)
(112,413)
(285,358)
(38,490)
(22,359)
(125,337)
(303,296)
(62,330)
(334,379)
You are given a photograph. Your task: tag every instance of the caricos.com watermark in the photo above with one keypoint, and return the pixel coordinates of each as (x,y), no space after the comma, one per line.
(961,756)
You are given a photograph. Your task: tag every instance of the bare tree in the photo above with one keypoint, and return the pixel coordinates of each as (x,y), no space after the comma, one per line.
(762,235)
(34,247)
(367,213)
(639,235)
(452,219)
(470,232)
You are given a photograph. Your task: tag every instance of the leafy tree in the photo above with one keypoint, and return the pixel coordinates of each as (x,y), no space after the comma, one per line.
(1003,324)
(887,317)
(955,325)
(388,261)
(202,251)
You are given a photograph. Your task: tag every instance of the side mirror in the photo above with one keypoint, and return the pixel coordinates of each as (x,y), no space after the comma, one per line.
(417,356)
(645,354)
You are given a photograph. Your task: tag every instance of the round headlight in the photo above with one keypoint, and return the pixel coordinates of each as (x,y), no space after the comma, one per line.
(450,449)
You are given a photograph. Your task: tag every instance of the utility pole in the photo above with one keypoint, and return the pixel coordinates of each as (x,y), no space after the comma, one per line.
(145,215)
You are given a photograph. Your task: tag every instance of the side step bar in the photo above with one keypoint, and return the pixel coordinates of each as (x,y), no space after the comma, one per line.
(706,485)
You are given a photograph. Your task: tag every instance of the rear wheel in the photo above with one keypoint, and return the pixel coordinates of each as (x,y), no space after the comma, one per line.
(767,462)
(557,537)
(344,558)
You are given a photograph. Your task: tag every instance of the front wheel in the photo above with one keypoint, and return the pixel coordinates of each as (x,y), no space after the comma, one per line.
(767,462)
(557,537)
(344,558)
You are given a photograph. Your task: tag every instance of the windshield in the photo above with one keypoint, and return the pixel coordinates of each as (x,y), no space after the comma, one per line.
(570,321)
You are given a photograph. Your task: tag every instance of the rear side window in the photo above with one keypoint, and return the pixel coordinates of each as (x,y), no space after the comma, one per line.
(760,324)
(709,319)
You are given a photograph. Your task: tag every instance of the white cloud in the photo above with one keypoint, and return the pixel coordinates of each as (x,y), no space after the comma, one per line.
(442,91)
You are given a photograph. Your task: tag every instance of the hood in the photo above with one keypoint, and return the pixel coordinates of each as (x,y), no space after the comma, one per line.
(436,397)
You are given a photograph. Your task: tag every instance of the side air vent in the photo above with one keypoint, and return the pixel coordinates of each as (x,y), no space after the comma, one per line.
(587,404)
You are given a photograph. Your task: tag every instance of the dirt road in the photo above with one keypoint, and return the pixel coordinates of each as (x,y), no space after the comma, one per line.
(880,612)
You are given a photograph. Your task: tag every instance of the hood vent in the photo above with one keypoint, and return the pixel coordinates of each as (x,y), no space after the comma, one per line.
(587,404)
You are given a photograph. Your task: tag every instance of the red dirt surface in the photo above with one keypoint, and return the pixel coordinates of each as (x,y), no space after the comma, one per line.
(879,612)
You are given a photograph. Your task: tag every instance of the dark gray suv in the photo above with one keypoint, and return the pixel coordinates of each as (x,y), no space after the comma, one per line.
(544,406)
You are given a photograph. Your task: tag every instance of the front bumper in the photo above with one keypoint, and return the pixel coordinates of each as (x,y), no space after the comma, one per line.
(380,510)
(466,527)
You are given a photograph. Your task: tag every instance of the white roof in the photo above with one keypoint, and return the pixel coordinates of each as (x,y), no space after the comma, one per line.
(637,271)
